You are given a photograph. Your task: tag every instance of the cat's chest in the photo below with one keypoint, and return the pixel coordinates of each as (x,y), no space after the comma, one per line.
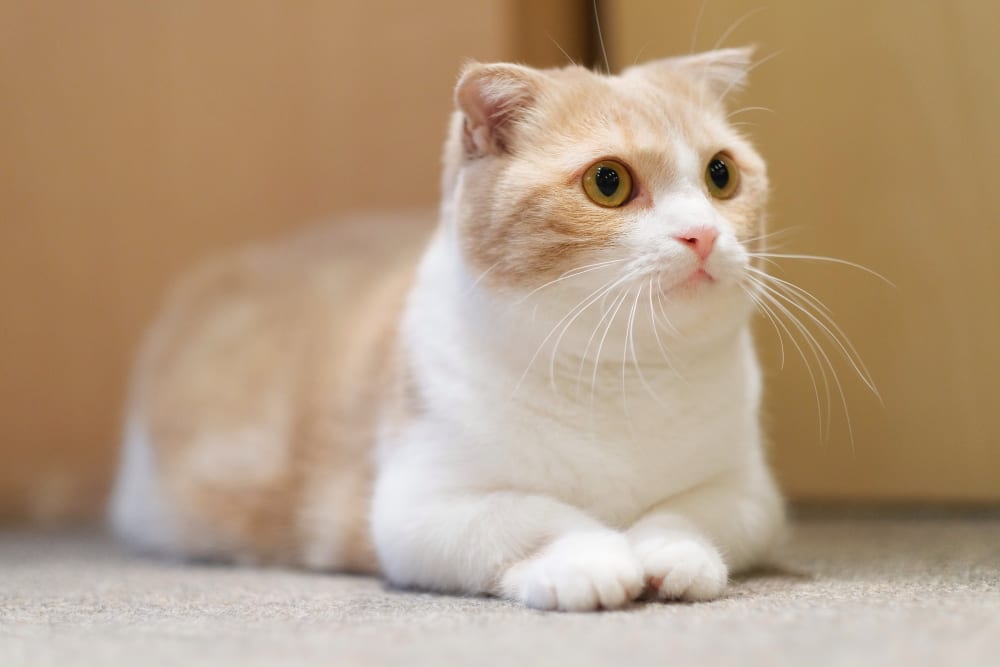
(614,455)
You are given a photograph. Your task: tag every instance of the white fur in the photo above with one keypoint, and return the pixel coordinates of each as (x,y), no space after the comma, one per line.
(564,460)
(579,571)
(138,511)
(524,483)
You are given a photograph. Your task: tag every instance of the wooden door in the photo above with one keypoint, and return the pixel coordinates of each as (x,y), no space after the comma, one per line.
(884,149)
(136,137)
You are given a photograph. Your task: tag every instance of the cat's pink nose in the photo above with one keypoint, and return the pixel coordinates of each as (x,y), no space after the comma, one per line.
(700,239)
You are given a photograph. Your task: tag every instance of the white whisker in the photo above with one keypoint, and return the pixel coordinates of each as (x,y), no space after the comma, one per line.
(635,357)
(845,346)
(662,307)
(555,346)
(749,69)
(571,273)
(600,346)
(600,38)
(745,109)
(697,24)
(589,299)
(776,232)
(639,55)
(767,314)
(590,340)
(823,258)
(482,275)
(656,333)
(740,21)
(561,49)
(808,296)
(818,349)
(764,60)
(763,302)
(625,339)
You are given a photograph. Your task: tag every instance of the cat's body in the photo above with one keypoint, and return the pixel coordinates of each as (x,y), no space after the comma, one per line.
(253,407)
(558,405)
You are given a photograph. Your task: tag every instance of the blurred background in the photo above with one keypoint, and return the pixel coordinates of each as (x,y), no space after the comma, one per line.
(138,137)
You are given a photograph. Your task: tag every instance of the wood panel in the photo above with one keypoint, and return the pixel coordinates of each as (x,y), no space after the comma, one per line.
(883,150)
(136,137)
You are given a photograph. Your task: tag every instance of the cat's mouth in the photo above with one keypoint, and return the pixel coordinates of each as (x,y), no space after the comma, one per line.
(696,279)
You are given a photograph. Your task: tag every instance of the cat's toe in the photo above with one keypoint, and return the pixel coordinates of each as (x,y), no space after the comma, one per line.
(683,569)
(581,572)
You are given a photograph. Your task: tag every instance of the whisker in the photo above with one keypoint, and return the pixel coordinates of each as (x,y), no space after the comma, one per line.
(764,60)
(846,347)
(817,348)
(590,340)
(656,333)
(482,275)
(561,49)
(600,347)
(767,261)
(770,235)
(600,38)
(736,25)
(776,232)
(764,301)
(749,69)
(770,318)
(745,109)
(804,294)
(823,258)
(628,323)
(662,311)
(793,293)
(571,273)
(635,357)
(555,346)
(589,299)
(697,24)
(639,55)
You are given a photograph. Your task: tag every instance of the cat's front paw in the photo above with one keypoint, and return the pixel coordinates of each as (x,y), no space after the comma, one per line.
(578,572)
(682,568)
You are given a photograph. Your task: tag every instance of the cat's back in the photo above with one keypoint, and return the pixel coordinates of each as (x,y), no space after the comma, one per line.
(252,407)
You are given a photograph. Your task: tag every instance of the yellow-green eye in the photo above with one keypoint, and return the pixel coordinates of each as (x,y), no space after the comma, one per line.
(608,183)
(721,176)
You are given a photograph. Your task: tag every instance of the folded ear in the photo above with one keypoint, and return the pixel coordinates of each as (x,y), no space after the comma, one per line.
(493,98)
(722,71)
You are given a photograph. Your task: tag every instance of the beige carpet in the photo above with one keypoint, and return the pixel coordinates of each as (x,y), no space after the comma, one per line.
(861,591)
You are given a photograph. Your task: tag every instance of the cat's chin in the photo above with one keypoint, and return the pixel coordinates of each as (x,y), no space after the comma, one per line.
(695,282)
(697,285)
(695,305)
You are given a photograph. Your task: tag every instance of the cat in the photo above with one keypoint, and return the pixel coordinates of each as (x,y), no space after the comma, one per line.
(556,403)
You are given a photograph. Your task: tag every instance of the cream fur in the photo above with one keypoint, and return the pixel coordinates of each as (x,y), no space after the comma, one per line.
(564,418)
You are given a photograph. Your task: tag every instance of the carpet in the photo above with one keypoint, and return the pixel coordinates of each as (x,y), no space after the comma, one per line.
(852,591)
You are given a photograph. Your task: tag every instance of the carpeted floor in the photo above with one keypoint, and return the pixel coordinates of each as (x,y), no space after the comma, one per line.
(856,591)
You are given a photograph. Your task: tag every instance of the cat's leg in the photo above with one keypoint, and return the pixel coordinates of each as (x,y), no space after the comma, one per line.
(526,547)
(688,544)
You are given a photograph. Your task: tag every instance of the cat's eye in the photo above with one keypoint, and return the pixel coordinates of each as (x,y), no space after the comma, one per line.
(722,176)
(608,183)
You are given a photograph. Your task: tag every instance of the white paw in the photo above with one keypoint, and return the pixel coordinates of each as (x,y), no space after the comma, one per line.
(682,568)
(578,572)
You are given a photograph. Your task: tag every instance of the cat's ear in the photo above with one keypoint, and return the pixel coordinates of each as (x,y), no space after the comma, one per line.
(492,98)
(721,72)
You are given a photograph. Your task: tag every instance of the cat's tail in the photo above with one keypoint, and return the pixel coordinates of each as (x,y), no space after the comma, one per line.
(137,512)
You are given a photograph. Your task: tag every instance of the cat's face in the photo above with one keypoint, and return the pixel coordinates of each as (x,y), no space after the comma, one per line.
(609,183)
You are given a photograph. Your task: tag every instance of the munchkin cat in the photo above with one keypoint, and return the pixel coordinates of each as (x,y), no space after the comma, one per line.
(557,402)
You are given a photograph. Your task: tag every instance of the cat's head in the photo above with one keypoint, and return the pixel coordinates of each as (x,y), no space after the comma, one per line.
(597,182)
